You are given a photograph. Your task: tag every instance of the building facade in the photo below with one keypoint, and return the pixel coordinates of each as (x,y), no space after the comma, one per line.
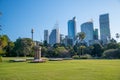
(95,34)
(72,29)
(87,28)
(54,36)
(46,36)
(104,28)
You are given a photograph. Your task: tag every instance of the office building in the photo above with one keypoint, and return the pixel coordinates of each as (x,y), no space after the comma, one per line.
(54,36)
(72,29)
(87,28)
(95,34)
(104,28)
(46,36)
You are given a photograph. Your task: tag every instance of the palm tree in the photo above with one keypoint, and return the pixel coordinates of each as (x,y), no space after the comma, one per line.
(81,35)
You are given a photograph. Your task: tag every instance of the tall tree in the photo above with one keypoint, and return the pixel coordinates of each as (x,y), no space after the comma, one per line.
(9,49)
(81,36)
(97,50)
(80,45)
(3,43)
(23,46)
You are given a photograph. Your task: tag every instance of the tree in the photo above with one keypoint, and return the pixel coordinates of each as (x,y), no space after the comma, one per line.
(111,54)
(72,52)
(9,49)
(75,48)
(113,40)
(62,52)
(44,51)
(45,43)
(56,45)
(112,46)
(3,43)
(81,50)
(80,45)
(23,46)
(81,36)
(52,52)
(97,50)
(89,50)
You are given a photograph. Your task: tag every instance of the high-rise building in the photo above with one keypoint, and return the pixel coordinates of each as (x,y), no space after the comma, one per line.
(72,29)
(95,34)
(104,28)
(87,28)
(46,36)
(61,38)
(54,36)
(68,41)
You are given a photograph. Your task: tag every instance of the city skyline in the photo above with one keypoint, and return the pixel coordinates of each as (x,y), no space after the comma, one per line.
(19,17)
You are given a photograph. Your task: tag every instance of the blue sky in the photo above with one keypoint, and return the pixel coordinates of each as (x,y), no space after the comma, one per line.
(20,16)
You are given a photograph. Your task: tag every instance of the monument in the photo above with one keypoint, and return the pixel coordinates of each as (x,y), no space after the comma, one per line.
(37,53)
(37,50)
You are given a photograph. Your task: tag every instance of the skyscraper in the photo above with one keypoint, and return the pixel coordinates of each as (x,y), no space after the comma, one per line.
(87,28)
(61,38)
(72,29)
(104,28)
(46,36)
(54,36)
(95,35)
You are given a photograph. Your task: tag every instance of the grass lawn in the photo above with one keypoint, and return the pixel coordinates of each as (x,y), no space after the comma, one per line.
(61,70)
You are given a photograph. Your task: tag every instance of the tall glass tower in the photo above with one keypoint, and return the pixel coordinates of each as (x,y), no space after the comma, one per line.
(87,28)
(95,35)
(54,37)
(46,36)
(72,29)
(104,28)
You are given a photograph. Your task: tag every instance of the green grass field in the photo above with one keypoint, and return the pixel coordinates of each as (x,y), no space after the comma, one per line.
(61,70)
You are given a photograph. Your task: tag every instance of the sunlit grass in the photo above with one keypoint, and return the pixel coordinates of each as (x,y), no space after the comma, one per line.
(61,70)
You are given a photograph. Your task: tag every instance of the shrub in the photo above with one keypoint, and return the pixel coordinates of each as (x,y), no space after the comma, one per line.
(86,56)
(111,54)
(75,57)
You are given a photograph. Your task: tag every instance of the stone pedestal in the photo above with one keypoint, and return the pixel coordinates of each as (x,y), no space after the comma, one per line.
(37,51)
(37,54)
